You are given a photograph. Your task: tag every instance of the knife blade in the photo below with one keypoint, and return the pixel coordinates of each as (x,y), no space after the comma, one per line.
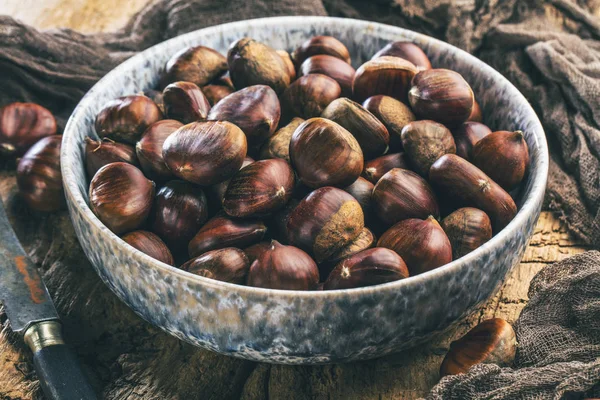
(31,312)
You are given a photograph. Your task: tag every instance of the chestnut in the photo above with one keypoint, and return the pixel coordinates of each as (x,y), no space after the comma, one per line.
(215,92)
(185,102)
(308,96)
(289,64)
(384,75)
(394,114)
(180,210)
(254,109)
(365,240)
(216,193)
(227,265)
(98,153)
(278,222)
(149,148)
(401,194)
(361,190)
(467,185)
(441,95)
(467,228)
(503,156)
(254,63)
(198,64)
(325,154)
(325,221)
(466,135)
(205,153)
(374,169)
(476,113)
(422,244)
(278,145)
(39,177)
(407,50)
(254,251)
(491,342)
(150,244)
(284,267)
(22,125)
(121,197)
(367,268)
(330,66)
(126,118)
(321,45)
(157,97)
(223,231)
(370,133)
(260,188)
(424,142)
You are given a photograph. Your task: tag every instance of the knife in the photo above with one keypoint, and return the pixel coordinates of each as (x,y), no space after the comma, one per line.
(31,312)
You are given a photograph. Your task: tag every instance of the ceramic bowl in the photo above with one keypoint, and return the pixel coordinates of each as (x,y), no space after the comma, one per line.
(293,327)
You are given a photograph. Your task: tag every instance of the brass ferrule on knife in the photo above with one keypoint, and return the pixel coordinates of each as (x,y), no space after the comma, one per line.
(43,334)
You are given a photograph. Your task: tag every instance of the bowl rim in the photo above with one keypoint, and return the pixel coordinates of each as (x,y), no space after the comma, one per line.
(528,207)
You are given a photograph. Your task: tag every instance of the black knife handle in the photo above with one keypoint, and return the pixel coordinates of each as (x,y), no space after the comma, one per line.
(60,375)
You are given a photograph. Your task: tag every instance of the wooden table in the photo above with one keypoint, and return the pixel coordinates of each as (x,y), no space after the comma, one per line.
(404,376)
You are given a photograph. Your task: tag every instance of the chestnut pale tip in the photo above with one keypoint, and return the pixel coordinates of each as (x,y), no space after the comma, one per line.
(519,134)
(7,148)
(484,185)
(345,272)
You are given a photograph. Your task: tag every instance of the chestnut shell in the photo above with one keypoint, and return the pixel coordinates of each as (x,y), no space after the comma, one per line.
(325,154)
(362,191)
(197,64)
(22,125)
(374,169)
(278,145)
(99,153)
(150,244)
(394,114)
(424,142)
(386,75)
(333,67)
(406,50)
(308,96)
(367,268)
(467,228)
(149,149)
(467,135)
(228,265)
(321,45)
(185,102)
(39,176)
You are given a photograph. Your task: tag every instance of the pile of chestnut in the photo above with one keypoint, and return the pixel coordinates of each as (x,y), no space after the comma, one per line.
(296,171)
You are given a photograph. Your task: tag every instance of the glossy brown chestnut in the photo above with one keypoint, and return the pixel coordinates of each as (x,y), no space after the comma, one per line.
(149,149)
(150,244)
(330,66)
(321,45)
(377,167)
(254,109)
(99,153)
(284,267)
(216,193)
(503,156)
(491,342)
(367,268)
(369,132)
(476,114)
(198,64)
(362,191)
(467,228)
(289,64)
(39,177)
(325,221)
(227,265)
(254,251)
(180,210)
(278,222)
(215,92)
(261,188)
(365,240)
(422,244)
(466,135)
(223,231)
(441,95)
(390,76)
(466,185)
(401,194)
(205,153)
(126,118)
(394,114)
(308,96)
(22,125)
(121,197)
(254,63)
(185,102)
(424,142)
(278,145)
(325,154)
(407,50)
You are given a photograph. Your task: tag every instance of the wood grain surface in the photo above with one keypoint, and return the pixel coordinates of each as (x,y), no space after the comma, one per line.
(408,375)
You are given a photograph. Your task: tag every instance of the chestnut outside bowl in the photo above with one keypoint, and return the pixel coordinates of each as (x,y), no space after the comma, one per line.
(292,327)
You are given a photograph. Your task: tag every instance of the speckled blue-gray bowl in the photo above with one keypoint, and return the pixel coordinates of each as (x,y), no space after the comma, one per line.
(304,327)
